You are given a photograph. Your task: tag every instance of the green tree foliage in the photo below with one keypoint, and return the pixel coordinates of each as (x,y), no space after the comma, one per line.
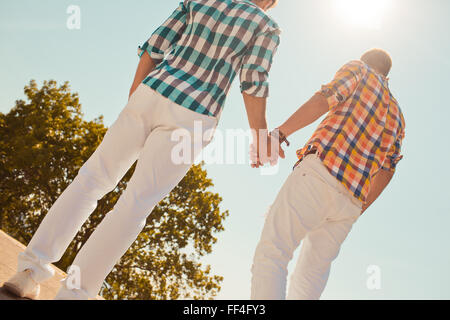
(43,143)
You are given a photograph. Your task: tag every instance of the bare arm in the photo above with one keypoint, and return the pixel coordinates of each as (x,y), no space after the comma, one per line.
(331,95)
(146,65)
(312,110)
(305,115)
(256,113)
(379,182)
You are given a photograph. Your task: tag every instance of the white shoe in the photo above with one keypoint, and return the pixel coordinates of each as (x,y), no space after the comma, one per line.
(23,285)
(71,294)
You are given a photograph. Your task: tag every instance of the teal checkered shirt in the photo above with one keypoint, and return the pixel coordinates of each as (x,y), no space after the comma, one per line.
(201,47)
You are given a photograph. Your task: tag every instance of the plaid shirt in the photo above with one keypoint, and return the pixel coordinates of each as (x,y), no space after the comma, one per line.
(363,131)
(203,45)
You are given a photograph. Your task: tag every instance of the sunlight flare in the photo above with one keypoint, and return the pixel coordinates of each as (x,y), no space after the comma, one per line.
(362,13)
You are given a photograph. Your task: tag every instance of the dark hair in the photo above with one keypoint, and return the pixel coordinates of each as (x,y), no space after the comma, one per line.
(378,59)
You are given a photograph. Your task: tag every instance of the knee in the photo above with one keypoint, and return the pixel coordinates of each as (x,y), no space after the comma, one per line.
(92,185)
(135,207)
(275,245)
(272,254)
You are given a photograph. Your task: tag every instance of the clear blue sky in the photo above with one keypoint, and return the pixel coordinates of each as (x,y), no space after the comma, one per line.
(405,232)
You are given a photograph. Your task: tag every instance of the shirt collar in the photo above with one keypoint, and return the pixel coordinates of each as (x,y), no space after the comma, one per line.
(383,78)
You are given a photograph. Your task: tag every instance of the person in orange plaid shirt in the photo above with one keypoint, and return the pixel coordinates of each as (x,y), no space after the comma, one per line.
(342,170)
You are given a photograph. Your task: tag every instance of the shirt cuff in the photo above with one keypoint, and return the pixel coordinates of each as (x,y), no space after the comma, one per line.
(391,163)
(255,89)
(154,55)
(333,98)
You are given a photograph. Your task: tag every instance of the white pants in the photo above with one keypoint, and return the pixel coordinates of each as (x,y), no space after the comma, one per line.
(312,206)
(142,132)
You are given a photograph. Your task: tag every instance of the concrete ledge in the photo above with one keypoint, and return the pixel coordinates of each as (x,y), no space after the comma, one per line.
(9,251)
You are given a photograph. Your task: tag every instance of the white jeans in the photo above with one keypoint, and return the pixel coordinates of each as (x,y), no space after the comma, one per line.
(142,132)
(312,206)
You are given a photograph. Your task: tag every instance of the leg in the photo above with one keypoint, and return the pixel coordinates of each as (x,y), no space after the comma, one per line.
(98,176)
(297,209)
(319,249)
(155,176)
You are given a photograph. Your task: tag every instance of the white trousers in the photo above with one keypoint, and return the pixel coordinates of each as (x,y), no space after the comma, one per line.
(314,208)
(143,132)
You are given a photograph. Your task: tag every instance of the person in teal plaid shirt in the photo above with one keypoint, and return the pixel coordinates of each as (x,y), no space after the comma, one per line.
(185,71)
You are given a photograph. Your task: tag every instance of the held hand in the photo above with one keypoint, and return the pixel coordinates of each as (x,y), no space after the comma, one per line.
(257,157)
(280,137)
(274,150)
(254,158)
(269,151)
(255,148)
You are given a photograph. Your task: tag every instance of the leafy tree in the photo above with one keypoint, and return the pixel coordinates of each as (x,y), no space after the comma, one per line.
(44,142)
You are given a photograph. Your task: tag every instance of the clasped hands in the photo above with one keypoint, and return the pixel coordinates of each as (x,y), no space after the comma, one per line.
(266,148)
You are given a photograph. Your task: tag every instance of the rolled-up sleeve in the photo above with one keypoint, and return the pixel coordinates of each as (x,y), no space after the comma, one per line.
(394,155)
(257,62)
(167,34)
(343,85)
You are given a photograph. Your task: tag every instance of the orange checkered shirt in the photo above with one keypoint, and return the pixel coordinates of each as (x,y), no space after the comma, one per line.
(363,131)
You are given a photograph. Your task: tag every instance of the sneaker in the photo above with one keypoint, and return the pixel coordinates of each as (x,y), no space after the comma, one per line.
(66,293)
(23,285)
(74,294)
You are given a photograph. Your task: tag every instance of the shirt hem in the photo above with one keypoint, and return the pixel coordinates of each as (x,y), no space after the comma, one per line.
(322,156)
(209,114)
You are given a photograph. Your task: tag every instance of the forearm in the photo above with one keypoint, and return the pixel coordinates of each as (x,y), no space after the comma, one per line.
(312,110)
(146,65)
(256,112)
(379,182)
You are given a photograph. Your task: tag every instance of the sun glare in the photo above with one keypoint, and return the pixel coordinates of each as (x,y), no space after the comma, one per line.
(362,13)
